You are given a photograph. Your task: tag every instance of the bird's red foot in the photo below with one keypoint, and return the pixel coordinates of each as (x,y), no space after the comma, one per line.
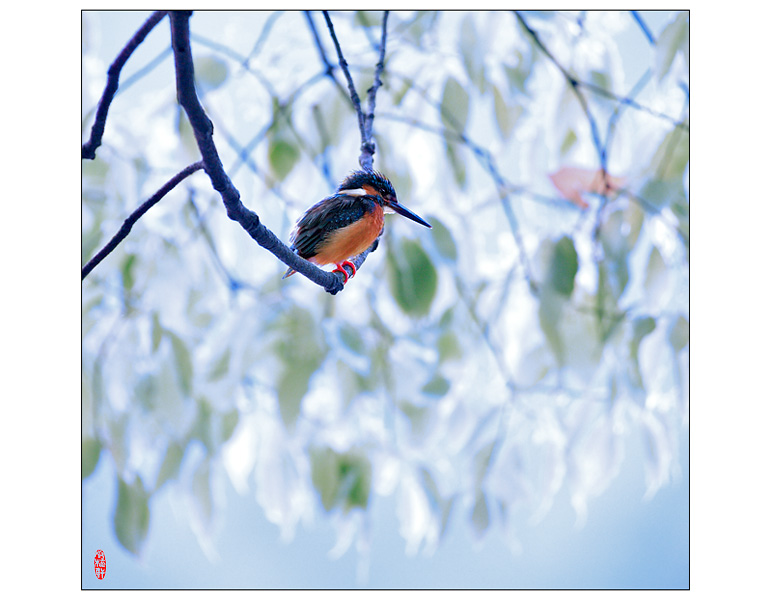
(339,269)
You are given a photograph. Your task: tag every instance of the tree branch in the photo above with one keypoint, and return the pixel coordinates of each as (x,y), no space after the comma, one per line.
(88,150)
(203,130)
(368,147)
(135,216)
(643,26)
(574,83)
(351,88)
(365,122)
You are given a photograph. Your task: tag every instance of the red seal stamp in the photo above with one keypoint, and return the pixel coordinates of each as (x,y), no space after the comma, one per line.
(100,565)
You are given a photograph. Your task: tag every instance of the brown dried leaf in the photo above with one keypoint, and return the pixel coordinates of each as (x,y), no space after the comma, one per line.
(572,182)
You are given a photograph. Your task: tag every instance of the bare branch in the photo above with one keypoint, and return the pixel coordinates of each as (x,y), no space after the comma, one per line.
(203,129)
(88,150)
(368,147)
(329,68)
(574,83)
(135,216)
(643,26)
(365,122)
(351,88)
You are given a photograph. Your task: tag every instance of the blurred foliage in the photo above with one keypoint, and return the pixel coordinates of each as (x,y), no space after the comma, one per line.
(473,370)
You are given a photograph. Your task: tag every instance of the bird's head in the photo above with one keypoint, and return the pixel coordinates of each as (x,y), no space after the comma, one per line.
(372,183)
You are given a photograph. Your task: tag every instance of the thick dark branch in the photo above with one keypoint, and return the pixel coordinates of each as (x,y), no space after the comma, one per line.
(135,216)
(88,150)
(203,129)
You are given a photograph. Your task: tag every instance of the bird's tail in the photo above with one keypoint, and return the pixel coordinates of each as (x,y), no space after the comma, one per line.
(289,272)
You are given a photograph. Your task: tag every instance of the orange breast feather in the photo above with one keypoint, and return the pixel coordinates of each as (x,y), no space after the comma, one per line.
(351,240)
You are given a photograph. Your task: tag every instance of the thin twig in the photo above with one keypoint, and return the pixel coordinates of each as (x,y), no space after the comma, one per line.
(135,216)
(328,67)
(643,26)
(88,150)
(368,147)
(574,84)
(344,66)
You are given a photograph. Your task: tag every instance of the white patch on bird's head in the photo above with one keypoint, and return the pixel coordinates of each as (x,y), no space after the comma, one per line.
(356,192)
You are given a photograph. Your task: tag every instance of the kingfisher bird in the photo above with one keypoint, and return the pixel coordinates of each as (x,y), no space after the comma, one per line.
(347,223)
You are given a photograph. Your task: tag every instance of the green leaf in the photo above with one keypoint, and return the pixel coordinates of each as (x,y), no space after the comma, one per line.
(420,418)
(673,39)
(422,22)
(443,240)
(201,489)
(568,142)
(505,116)
(619,232)
(454,109)
(352,339)
(182,362)
(291,389)
(228,425)
(600,79)
(448,347)
(437,386)
(219,368)
(659,193)
(282,156)
(90,451)
(412,277)
(211,72)
(355,475)
(613,276)
(457,165)
(550,314)
(642,326)
(399,95)
(656,275)
(563,267)
(302,350)
(131,519)
(480,516)
(341,479)
(146,391)
(517,76)
(202,429)
(672,156)
(170,467)
(679,334)
(368,18)
(324,475)
(156,331)
(472,52)
(127,271)
(482,461)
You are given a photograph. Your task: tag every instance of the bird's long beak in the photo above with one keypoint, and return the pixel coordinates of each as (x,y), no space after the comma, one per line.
(401,210)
